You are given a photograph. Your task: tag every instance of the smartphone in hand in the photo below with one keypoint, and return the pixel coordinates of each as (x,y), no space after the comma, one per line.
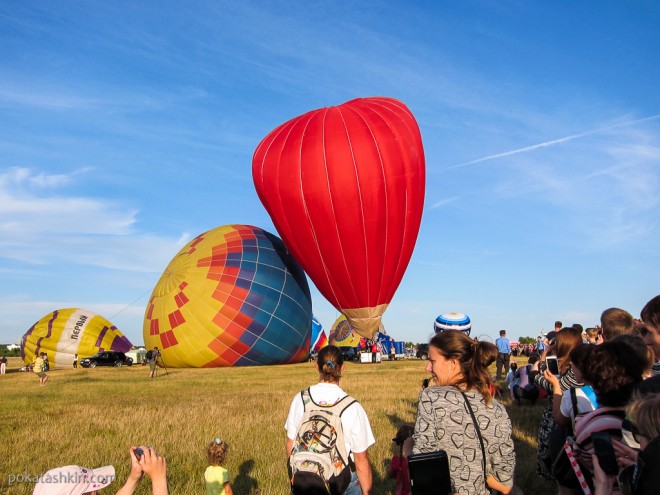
(602,442)
(553,365)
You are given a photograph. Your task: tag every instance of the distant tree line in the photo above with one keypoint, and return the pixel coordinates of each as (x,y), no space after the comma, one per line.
(12,353)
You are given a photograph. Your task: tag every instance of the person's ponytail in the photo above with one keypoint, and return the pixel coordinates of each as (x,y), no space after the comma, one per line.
(329,362)
(485,354)
(474,357)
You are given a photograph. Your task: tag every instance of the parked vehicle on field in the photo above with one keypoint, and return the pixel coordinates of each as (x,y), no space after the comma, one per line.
(106,358)
(422,351)
(138,355)
(349,353)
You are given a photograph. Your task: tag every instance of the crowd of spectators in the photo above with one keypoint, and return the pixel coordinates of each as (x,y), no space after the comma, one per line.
(599,432)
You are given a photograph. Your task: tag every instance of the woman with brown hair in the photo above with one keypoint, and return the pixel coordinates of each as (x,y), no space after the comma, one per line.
(458,415)
(561,346)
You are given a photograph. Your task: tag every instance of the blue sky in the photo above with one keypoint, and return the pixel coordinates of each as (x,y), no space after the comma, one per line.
(127,128)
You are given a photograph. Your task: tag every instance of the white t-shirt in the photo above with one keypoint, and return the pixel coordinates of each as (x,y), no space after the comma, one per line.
(358,436)
(584,404)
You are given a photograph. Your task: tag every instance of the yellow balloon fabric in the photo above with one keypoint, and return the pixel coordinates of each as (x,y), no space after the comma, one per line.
(233,296)
(66,332)
(342,334)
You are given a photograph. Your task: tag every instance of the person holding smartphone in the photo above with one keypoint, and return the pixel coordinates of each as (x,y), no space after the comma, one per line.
(550,436)
(66,480)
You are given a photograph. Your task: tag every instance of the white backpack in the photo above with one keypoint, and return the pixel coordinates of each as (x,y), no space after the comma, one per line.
(319,462)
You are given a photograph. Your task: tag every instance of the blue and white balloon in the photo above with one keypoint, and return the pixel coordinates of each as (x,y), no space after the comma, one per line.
(453,321)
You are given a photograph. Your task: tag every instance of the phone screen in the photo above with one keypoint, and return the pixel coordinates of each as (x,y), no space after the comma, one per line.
(553,364)
(605,452)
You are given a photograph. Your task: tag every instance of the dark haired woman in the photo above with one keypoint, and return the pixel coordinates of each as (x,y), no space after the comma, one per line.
(563,408)
(551,437)
(357,433)
(615,369)
(459,415)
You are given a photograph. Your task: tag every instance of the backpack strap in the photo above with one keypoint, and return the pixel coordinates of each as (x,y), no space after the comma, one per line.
(347,401)
(576,468)
(574,401)
(306,398)
(574,409)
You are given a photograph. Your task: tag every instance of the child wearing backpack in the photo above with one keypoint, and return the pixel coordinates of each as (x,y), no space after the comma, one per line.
(328,434)
(216,476)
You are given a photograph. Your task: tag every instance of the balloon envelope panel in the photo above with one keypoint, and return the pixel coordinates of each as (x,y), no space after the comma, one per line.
(232,297)
(66,332)
(344,187)
(343,334)
(319,338)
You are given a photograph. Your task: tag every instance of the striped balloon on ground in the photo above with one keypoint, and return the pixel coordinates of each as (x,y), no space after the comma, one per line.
(233,296)
(66,332)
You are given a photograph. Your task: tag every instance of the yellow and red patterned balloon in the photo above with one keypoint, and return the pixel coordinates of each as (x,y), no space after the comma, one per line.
(66,332)
(233,296)
(343,334)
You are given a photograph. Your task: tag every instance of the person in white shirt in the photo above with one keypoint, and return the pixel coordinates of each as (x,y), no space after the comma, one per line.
(358,436)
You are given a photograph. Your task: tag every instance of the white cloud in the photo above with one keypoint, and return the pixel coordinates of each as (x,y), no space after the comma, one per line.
(39,226)
(555,142)
(602,187)
(49,100)
(444,202)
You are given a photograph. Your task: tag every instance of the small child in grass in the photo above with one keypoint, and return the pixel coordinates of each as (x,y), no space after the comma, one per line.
(403,444)
(216,476)
(511,376)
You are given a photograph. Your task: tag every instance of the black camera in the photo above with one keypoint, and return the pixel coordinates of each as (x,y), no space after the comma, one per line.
(138,453)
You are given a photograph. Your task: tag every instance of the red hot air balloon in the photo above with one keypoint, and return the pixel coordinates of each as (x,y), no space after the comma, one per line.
(344,187)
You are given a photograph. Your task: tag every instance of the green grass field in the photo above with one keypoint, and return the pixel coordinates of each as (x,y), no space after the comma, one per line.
(91,417)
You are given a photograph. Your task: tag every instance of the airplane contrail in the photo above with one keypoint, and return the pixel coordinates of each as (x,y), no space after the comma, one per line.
(551,143)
